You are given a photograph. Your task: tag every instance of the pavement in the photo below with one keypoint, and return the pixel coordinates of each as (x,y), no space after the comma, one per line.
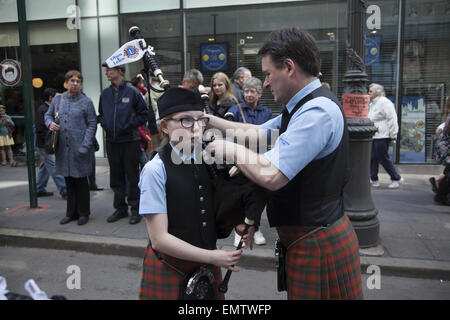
(414,230)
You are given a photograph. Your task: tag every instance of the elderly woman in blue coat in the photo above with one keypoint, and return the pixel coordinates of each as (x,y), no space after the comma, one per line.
(77,126)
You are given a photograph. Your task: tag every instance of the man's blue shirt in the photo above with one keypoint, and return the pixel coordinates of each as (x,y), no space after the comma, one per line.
(314,131)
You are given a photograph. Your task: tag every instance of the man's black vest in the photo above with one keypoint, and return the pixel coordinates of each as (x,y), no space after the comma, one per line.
(190,208)
(314,197)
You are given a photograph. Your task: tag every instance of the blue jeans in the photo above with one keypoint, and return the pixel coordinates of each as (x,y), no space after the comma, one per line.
(379,156)
(47,168)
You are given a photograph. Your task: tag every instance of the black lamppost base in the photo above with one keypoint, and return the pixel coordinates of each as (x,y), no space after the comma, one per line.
(359,205)
(367,231)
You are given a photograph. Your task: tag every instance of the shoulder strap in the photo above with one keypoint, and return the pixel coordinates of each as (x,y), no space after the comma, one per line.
(242,113)
(286,115)
(57,107)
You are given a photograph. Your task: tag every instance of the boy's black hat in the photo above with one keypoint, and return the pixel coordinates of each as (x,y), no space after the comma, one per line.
(178,100)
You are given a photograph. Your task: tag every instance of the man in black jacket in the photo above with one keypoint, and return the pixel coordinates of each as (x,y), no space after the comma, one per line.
(47,166)
(121,111)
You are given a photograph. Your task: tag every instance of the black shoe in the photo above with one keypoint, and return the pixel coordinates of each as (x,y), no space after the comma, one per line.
(82,220)
(66,220)
(117,215)
(64,195)
(135,218)
(433,184)
(44,194)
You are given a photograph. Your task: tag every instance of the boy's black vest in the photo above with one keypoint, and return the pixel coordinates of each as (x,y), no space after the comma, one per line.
(190,207)
(314,197)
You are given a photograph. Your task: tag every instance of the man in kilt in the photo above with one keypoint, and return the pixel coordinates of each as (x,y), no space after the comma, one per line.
(306,170)
(177,202)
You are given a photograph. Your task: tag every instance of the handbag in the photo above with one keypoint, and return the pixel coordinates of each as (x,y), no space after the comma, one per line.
(51,139)
(51,142)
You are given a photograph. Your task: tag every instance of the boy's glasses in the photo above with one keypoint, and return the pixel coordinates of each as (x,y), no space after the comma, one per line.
(189,122)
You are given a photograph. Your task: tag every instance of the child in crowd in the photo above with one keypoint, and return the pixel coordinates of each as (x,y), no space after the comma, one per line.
(6,139)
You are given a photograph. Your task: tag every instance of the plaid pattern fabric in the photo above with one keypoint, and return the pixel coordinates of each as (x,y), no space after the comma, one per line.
(153,143)
(324,265)
(161,282)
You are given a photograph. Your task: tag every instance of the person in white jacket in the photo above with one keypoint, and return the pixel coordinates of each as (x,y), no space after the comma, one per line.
(382,113)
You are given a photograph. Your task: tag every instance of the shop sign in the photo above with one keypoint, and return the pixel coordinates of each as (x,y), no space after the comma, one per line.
(10,72)
(214,57)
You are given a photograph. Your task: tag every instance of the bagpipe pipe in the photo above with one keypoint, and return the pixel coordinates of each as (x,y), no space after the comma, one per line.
(134,51)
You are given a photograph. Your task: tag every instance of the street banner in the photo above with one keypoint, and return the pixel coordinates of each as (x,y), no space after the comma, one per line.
(372,46)
(129,52)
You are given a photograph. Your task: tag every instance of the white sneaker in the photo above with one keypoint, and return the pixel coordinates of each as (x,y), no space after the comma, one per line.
(259,238)
(374,184)
(237,239)
(395,184)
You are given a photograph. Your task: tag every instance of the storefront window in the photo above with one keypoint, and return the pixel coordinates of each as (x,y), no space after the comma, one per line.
(243,29)
(426,80)
(127,6)
(53,51)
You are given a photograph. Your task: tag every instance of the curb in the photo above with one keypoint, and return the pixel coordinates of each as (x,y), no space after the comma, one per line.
(257,258)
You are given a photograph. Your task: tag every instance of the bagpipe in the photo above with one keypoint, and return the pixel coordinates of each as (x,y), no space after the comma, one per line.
(134,51)
(235,194)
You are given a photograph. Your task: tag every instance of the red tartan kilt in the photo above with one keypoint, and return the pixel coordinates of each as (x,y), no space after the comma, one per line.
(325,265)
(161,282)
(154,143)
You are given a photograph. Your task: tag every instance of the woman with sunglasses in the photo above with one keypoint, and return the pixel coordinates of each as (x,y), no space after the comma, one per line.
(177,203)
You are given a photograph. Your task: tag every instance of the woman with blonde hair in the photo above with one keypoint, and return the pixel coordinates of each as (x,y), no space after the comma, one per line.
(221,97)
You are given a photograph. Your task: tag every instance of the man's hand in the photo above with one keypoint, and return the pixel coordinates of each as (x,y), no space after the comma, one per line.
(221,149)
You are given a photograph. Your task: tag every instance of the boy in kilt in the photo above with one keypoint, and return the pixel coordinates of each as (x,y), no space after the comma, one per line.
(306,170)
(177,203)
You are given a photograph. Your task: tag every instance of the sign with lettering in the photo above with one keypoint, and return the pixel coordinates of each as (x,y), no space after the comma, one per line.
(214,56)
(356,105)
(10,72)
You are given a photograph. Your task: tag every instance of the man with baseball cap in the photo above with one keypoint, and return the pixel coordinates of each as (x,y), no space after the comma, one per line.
(121,111)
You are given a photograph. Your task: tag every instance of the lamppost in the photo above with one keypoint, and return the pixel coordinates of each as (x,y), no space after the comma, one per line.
(27,100)
(359,205)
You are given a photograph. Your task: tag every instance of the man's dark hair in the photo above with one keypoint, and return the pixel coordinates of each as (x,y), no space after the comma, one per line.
(48,92)
(295,44)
